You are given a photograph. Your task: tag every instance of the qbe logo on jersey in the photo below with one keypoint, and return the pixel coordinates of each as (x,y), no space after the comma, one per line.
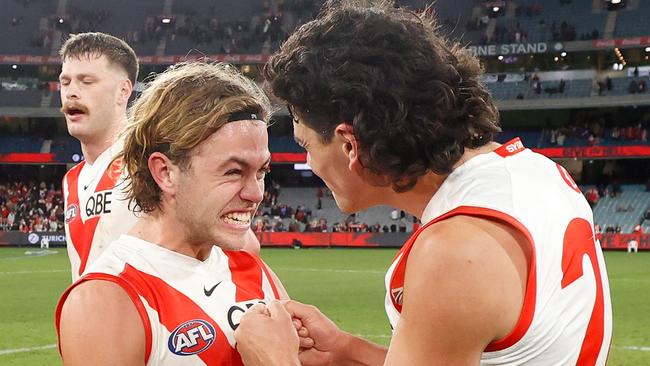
(191,337)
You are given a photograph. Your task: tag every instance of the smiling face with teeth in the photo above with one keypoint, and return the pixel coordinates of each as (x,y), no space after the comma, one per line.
(216,195)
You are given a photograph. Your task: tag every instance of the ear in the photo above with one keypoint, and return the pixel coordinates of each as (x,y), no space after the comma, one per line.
(350,146)
(164,172)
(126,88)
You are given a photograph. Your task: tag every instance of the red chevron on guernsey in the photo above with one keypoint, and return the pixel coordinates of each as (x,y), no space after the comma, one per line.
(82,232)
(175,310)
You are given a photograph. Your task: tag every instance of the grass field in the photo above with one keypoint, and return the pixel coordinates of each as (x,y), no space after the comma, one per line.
(346,284)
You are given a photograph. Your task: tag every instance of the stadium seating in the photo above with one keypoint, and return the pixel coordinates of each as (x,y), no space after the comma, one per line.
(626,210)
(306,197)
(453,16)
(23,23)
(20,98)
(633,22)
(578,14)
(621,86)
(20,144)
(118,17)
(580,88)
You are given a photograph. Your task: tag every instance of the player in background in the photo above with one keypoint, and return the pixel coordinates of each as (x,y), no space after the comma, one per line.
(504,270)
(163,294)
(97,78)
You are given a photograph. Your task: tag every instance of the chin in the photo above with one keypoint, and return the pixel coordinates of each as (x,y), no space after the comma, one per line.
(231,242)
(346,206)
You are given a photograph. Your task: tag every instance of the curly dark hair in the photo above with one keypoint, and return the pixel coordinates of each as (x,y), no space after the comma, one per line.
(414,98)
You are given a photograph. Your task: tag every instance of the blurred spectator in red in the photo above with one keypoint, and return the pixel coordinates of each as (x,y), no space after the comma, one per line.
(592,196)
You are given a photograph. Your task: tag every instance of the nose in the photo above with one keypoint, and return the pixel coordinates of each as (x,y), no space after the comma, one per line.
(253,190)
(71,91)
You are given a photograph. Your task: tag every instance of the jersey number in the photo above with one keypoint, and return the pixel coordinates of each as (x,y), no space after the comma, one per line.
(578,242)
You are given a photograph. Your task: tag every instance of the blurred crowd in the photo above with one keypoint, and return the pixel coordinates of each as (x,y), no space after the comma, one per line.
(30,206)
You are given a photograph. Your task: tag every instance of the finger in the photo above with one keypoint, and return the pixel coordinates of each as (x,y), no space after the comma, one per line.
(259,309)
(297,309)
(278,311)
(306,342)
(297,323)
(303,332)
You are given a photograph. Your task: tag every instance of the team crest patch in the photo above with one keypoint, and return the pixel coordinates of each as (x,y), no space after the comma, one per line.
(71,212)
(191,338)
(398,295)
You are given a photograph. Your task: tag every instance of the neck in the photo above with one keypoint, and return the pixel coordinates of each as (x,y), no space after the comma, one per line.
(415,200)
(91,148)
(162,229)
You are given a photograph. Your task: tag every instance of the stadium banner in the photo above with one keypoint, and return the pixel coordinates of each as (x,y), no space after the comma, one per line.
(294,239)
(591,152)
(144,60)
(17,238)
(357,240)
(514,49)
(621,42)
(27,158)
(621,241)
(289,157)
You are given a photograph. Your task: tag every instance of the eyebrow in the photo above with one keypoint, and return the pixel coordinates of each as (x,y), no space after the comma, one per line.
(244,163)
(79,76)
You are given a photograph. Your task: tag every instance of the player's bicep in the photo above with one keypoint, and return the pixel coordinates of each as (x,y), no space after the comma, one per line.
(449,311)
(100,326)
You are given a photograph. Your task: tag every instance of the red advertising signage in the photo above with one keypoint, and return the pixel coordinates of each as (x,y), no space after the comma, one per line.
(26,158)
(634,151)
(621,241)
(587,152)
(621,42)
(288,239)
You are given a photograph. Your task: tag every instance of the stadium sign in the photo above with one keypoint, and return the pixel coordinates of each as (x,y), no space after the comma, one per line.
(513,49)
(31,239)
(596,152)
(621,42)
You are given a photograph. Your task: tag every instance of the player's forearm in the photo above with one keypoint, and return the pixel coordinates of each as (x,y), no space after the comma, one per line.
(354,351)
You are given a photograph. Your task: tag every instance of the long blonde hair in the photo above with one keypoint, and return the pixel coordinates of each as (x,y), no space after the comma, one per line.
(178,110)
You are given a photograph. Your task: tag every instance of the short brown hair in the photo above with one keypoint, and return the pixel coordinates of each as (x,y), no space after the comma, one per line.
(98,44)
(413,97)
(178,110)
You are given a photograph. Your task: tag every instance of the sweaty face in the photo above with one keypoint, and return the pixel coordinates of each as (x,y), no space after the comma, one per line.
(331,163)
(90,88)
(217,195)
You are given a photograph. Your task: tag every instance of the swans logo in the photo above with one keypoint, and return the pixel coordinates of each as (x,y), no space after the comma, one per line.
(191,337)
(71,212)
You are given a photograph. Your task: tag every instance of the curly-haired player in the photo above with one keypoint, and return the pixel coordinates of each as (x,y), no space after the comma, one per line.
(504,270)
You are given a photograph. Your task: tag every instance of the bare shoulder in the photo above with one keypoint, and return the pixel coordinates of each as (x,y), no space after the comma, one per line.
(463,287)
(468,238)
(100,325)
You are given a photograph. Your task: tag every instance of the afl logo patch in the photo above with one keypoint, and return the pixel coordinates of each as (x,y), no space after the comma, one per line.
(191,337)
(71,212)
